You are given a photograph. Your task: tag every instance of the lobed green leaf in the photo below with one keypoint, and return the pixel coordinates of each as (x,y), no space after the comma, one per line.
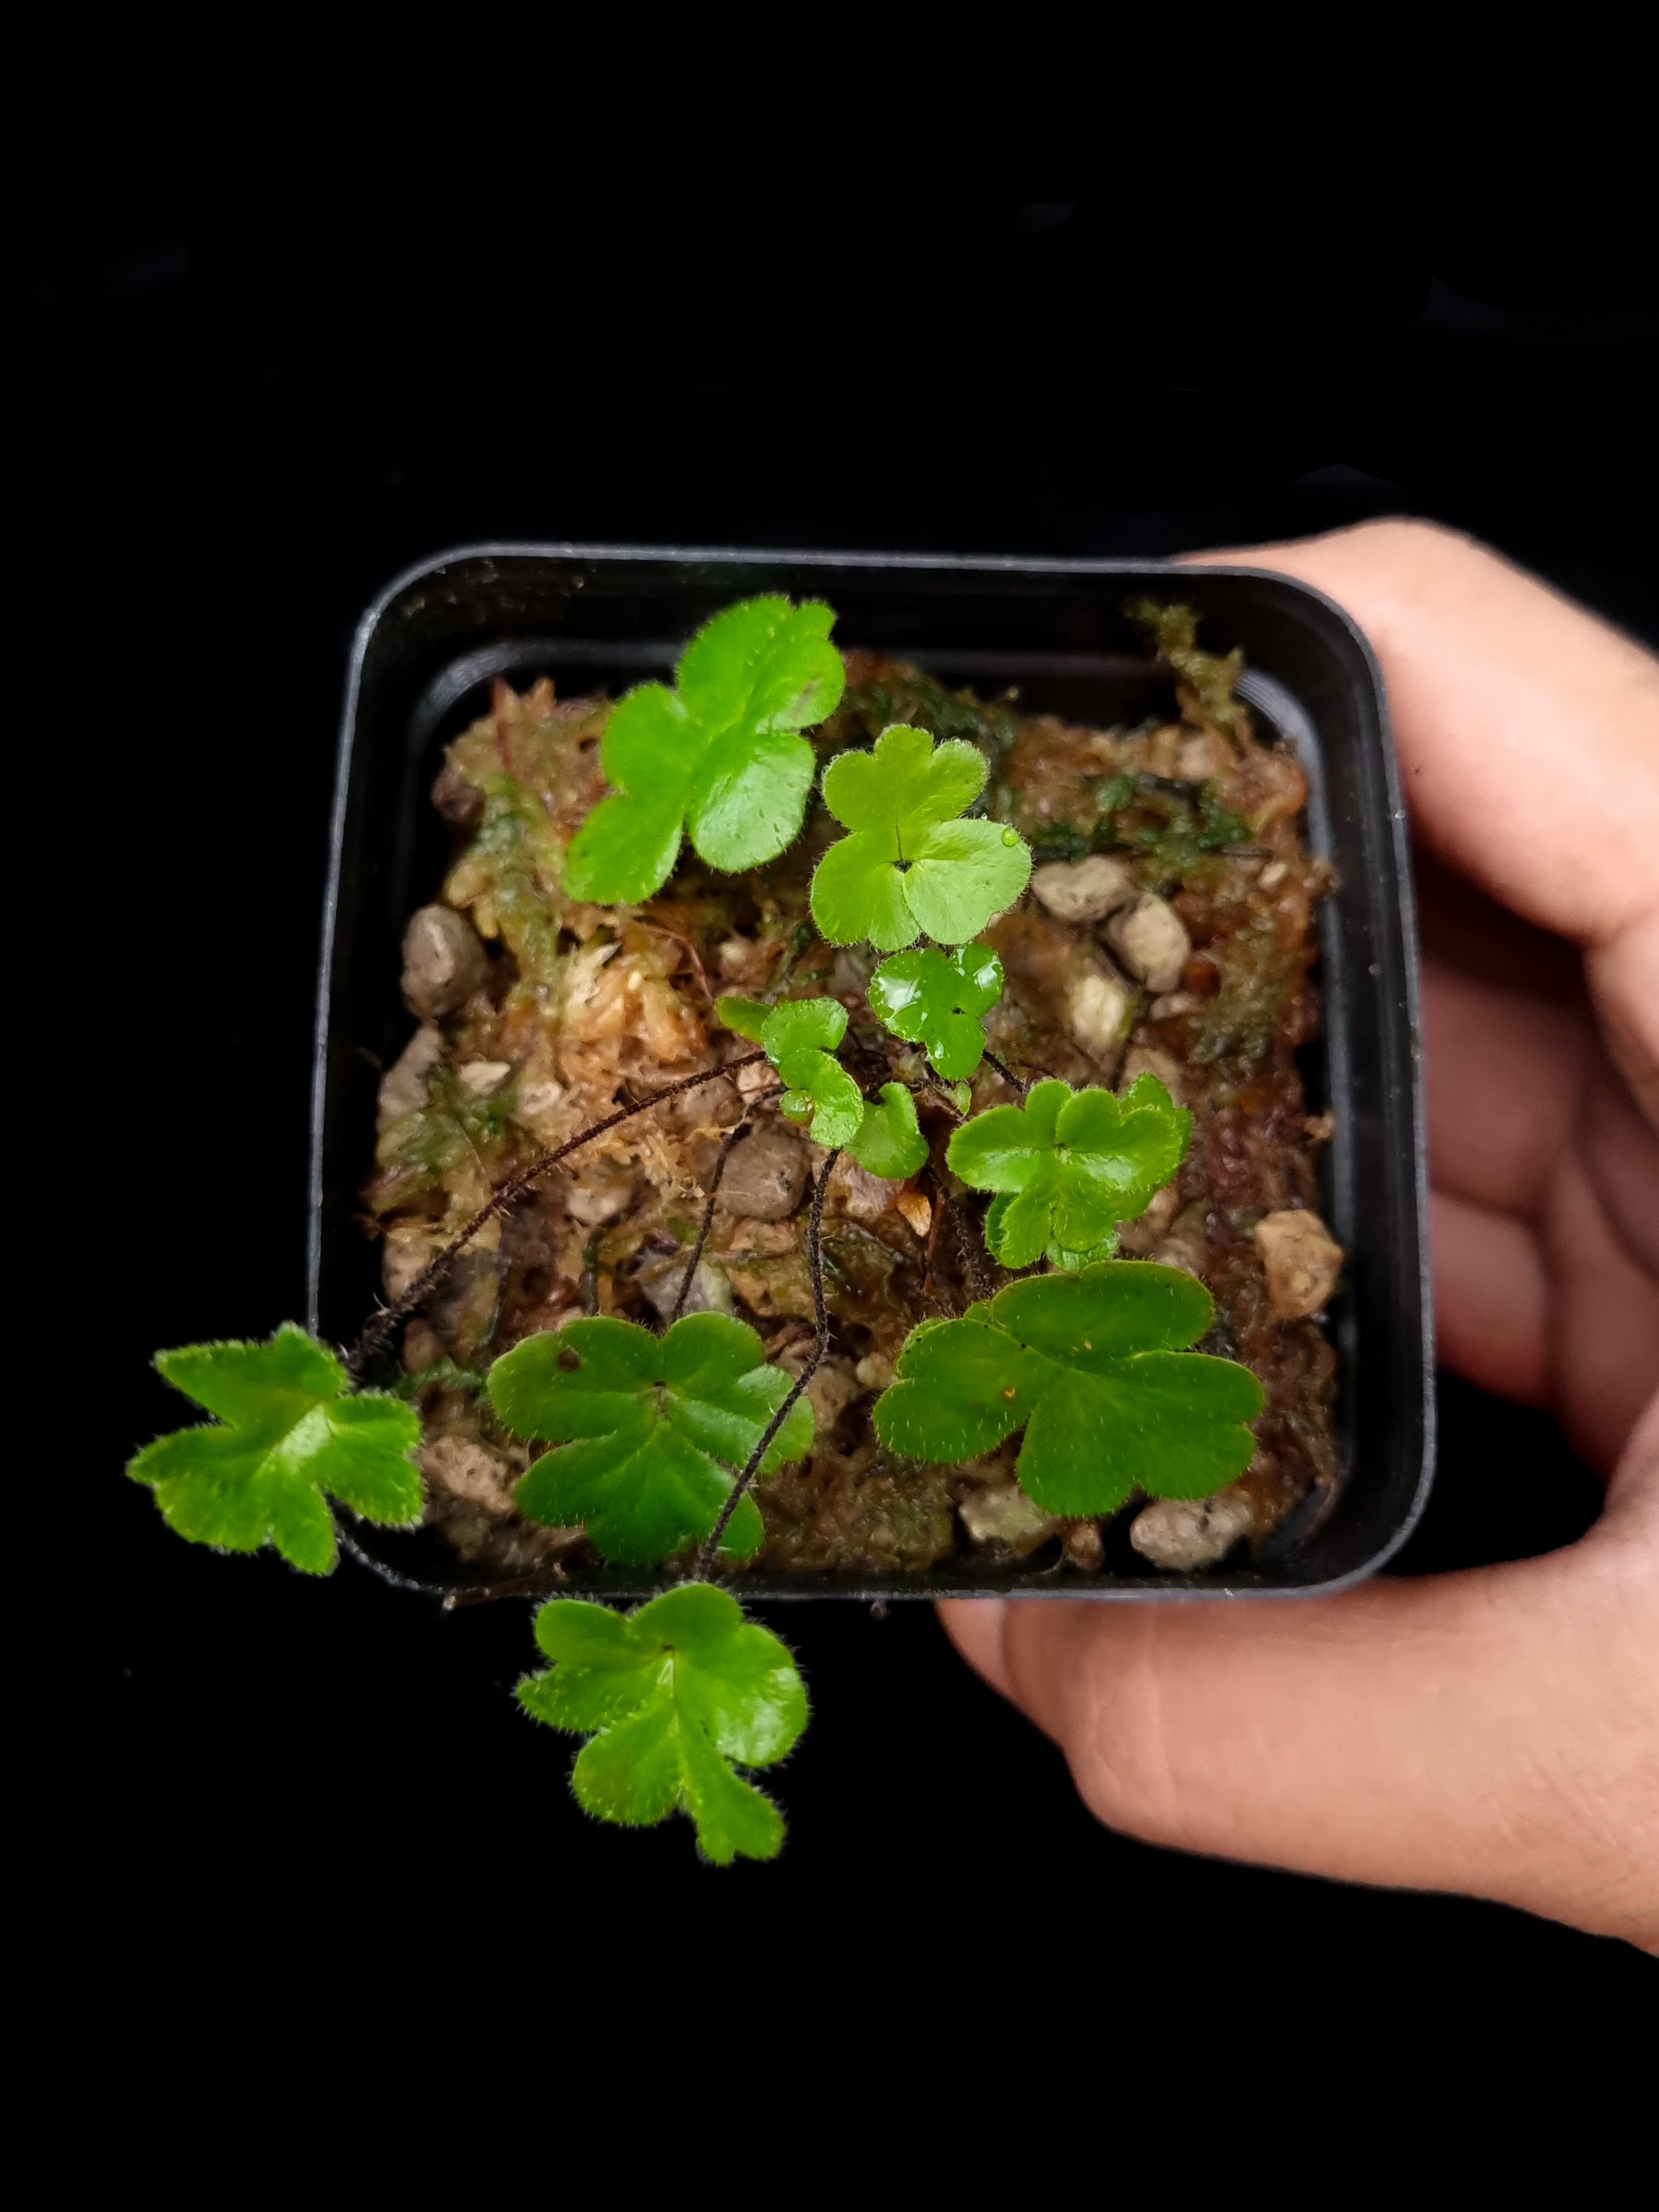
(1093,1367)
(720,755)
(651,1430)
(289,1433)
(674,1697)
(1068,1165)
(889,1141)
(909,867)
(935,1000)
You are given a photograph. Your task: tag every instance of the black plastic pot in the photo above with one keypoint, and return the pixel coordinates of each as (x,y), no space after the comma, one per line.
(603,616)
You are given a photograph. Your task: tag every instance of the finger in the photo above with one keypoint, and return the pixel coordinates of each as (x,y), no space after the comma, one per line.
(1528,730)
(974,1625)
(1504,1077)
(1528,739)
(1604,1320)
(1489,1733)
(1491,1300)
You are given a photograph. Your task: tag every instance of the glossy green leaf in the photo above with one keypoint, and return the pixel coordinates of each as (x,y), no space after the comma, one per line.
(822,1094)
(720,755)
(1092,1367)
(747,1017)
(889,1141)
(1069,1165)
(674,1697)
(802,1025)
(651,1430)
(910,867)
(287,1430)
(935,1000)
(799,1037)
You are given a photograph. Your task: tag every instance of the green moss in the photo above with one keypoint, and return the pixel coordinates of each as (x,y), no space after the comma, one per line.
(1213,679)
(871,707)
(1259,978)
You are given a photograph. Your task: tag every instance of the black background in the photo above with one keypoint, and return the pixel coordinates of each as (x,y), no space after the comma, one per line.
(236,440)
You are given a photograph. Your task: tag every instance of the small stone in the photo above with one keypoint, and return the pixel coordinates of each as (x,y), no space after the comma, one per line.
(1273,875)
(485,1078)
(1181,1534)
(1186,1246)
(660,1280)
(1150,939)
(1173,1003)
(1300,1259)
(405,1255)
(601,1194)
(1084,1547)
(873,1372)
(537,1098)
(1099,1008)
(468,1469)
(444,961)
(765,1176)
(403,1087)
(1007,1518)
(1083,891)
(1198,758)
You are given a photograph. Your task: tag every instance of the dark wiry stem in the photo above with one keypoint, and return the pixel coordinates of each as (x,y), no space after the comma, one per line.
(727,1143)
(1008,1075)
(744,1482)
(378,1332)
(972,1266)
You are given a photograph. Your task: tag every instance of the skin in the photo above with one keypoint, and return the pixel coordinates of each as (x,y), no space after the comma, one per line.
(1494,1732)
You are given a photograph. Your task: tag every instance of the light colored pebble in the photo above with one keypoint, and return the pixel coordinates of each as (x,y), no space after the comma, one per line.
(466,1468)
(1005,1516)
(1098,1008)
(444,961)
(1182,1535)
(403,1087)
(601,1193)
(1198,758)
(1301,1260)
(406,1252)
(873,1372)
(485,1078)
(660,1280)
(1173,1003)
(1086,1547)
(1150,939)
(1083,891)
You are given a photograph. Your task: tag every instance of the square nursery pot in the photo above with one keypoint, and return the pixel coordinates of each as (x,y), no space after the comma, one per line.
(604,617)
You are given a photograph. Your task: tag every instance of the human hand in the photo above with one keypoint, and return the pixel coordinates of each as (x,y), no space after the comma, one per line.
(1497,1731)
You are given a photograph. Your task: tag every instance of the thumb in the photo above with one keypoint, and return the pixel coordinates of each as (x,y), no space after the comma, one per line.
(1494,1732)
